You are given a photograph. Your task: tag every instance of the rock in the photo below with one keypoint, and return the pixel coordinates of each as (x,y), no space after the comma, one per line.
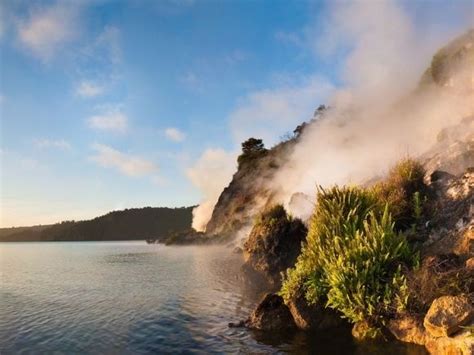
(274,243)
(240,324)
(470,263)
(271,314)
(313,316)
(237,250)
(363,331)
(460,344)
(408,329)
(447,314)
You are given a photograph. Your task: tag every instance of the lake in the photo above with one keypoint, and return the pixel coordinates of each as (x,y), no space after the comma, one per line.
(135,298)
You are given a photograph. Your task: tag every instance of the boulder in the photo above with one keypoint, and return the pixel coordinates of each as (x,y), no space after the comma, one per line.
(308,316)
(460,344)
(408,329)
(447,314)
(363,330)
(470,263)
(271,314)
(274,243)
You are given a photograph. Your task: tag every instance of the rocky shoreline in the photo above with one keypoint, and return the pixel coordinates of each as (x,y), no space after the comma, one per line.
(448,324)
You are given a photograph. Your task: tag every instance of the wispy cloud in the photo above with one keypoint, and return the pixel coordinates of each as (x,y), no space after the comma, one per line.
(270,113)
(89,89)
(49,143)
(126,164)
(236,56)
(174,134)
(47,29)
(111,119)
(290,38)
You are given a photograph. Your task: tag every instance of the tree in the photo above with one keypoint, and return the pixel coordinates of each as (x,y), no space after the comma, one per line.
(252,146)
(252,149)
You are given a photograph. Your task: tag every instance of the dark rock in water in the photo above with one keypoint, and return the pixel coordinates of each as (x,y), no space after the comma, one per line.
(274,243)
(240,324)
(271,314)
(313,317)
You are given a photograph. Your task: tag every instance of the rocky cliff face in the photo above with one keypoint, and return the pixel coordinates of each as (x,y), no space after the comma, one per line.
(248,192)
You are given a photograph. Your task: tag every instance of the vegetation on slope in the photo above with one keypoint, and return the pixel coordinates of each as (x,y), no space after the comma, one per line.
(274,243)
(356,253)
(129,224)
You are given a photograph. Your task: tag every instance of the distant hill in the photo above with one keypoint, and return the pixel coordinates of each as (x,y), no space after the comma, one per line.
(130,224)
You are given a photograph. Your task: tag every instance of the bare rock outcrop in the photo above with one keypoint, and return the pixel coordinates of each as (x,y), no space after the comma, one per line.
(447,315)
(271,314)
(274,243)
(408,329)
(314,317)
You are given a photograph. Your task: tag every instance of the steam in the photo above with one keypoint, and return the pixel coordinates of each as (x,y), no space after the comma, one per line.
(211,173)
(376,118)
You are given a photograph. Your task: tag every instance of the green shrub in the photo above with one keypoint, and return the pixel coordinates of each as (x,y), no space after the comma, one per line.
(405,192)
(352,258)
(252,149)
(272,215)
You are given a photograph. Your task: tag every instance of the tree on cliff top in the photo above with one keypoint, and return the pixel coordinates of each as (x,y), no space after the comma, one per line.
(252,148)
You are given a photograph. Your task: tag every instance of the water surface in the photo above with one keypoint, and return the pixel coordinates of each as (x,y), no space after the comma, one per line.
(134,298)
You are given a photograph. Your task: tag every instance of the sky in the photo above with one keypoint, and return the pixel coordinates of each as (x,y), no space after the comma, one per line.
(107,105)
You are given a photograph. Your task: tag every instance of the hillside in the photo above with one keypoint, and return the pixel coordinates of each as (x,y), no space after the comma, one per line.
(130,224)
(448,75)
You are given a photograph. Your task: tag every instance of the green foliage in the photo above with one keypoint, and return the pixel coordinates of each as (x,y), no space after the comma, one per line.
(353,256)
(405,192)
(273,215)
(252,149)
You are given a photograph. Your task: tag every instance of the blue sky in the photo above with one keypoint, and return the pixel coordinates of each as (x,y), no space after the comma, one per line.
(111,104)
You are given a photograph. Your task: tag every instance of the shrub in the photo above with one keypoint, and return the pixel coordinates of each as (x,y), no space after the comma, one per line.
(352,258)
(406,193)
(274,242)
(272,215)
(252,149)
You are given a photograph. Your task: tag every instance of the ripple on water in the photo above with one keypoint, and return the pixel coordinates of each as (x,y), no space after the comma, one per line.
(133,298)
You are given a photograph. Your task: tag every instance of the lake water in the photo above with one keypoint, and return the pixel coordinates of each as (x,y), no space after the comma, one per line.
(134,298)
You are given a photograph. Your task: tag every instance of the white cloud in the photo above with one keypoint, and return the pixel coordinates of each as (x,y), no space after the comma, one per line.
(47,29)
(126,164)
(270,113)
(109,42)
(48,143)
(111,119)
(174,134)
(89,89)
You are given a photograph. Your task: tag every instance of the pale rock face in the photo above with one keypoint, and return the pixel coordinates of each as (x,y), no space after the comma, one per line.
(408,329)
(448,314)
(460,344)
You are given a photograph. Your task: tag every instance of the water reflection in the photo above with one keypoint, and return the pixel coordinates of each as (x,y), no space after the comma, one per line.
(134,298)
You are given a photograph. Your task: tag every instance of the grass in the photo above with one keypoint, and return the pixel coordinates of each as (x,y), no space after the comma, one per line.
(354,257)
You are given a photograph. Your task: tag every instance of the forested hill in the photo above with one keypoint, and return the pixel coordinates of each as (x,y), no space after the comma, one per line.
(130,224)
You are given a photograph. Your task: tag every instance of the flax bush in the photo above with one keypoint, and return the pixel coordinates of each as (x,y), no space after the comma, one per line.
(352,259)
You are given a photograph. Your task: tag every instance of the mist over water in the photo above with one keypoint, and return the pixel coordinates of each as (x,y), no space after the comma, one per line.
(133,298)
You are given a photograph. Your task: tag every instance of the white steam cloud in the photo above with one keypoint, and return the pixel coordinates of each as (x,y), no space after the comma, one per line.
(374,120)
(378,118)
(211,173)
